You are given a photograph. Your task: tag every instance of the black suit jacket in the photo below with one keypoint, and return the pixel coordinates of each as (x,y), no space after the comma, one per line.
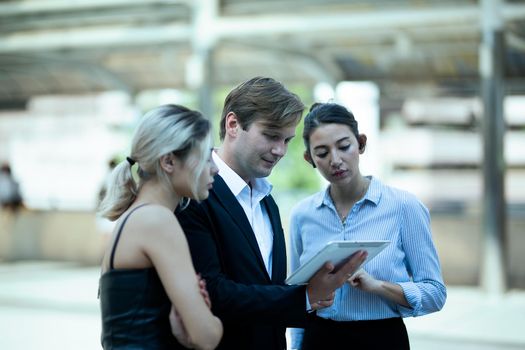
(255,308)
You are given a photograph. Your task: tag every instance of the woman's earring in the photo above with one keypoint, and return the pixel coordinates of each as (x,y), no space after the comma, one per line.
(184,202)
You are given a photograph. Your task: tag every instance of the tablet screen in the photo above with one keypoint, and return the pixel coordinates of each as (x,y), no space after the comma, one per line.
(335,252)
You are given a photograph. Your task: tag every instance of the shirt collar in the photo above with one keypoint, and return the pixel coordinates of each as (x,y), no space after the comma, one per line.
(373,194)
(236,183)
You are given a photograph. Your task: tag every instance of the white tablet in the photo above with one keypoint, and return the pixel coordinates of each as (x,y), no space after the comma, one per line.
(335,252)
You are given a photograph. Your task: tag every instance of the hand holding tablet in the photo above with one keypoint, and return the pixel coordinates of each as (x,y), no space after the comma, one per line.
(335,252)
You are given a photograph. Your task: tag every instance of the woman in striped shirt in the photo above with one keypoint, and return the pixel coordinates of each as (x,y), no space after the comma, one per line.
(403,280)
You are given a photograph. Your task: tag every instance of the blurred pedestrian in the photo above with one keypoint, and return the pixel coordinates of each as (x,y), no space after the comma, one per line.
(10,196)
(112,163)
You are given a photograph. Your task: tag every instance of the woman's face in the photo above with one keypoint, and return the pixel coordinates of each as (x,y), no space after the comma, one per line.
(335,151)
(185,178)
(205,181)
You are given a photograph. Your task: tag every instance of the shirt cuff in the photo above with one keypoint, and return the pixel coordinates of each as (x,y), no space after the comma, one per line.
(308,305)
(413,297)
(296,335)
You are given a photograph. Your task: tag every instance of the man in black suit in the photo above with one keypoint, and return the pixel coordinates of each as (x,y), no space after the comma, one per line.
(236,236)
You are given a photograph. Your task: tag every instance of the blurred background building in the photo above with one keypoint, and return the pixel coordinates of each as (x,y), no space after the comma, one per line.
(437,85)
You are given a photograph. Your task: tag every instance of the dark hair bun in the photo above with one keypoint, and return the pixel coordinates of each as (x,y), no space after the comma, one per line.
(315,105)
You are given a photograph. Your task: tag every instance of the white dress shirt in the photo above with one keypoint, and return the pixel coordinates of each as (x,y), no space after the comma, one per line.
(249,197)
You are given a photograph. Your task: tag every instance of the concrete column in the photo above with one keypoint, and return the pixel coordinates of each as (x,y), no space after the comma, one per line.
(200,67)
(362,98)
(492,55)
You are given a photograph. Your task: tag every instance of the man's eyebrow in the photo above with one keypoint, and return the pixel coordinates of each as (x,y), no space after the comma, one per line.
(271,127)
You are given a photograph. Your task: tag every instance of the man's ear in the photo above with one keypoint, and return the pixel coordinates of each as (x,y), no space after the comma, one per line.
(308,158)
(362,143)
(231,124)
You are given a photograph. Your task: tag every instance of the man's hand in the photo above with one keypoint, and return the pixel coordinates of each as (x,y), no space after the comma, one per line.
(325,281)
(321,304)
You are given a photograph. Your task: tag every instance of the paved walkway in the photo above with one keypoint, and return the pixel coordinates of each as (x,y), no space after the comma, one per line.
(473,320)
(54,306)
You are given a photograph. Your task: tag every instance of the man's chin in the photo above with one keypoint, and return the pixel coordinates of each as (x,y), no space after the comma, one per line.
(264,171)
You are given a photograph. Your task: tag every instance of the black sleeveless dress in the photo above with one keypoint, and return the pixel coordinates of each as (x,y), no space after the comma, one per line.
(135,308)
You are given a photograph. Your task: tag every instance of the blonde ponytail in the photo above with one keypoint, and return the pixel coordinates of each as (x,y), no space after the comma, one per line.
(121,192)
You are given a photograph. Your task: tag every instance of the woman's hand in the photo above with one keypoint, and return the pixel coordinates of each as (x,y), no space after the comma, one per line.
(178,329)
(363,281)
(203,290)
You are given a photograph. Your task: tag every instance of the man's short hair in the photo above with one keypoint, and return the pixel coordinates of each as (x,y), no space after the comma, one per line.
(263,99)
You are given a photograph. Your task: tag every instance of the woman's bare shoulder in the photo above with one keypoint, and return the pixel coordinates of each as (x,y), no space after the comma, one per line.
(155,218)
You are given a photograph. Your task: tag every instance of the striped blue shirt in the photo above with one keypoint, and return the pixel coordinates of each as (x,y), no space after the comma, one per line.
(410,260)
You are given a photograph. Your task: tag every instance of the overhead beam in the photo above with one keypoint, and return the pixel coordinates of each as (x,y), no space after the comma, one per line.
(81,19)
(42,65)
(235,27)
(52,6)
(109,37)
(252,26)
(317,64)
(517,42)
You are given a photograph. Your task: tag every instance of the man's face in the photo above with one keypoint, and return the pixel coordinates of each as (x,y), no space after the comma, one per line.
(258,149)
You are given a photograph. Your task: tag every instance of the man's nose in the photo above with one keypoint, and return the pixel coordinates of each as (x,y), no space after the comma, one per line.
(279,149)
